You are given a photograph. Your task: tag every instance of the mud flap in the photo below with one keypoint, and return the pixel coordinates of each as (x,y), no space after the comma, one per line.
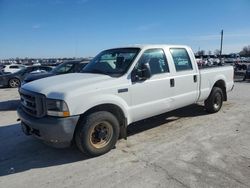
(123,130)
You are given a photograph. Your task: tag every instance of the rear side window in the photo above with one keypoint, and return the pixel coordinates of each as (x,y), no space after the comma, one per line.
(181,59)
(66,68)
(46,68)
(35,68)
(80,67)
(156,60)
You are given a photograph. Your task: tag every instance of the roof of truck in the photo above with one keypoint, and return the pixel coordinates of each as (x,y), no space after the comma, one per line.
(143,46)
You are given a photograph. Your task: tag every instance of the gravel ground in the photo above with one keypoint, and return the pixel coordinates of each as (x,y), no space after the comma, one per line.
(184,148)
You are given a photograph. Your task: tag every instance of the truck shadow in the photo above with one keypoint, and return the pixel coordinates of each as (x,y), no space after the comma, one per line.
(9,105)
(150,123)
(20,153)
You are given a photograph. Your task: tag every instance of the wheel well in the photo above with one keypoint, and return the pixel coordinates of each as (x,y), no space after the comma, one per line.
(14,78)
(221,84)
(115,110)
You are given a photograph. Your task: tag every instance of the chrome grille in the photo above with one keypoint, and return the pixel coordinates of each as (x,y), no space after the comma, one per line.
(32,103)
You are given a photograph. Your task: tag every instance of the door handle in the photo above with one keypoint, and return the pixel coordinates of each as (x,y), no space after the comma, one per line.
(172,82)
(195,78)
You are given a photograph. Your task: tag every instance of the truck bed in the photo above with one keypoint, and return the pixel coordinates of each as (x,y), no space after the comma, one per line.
(209,75)
(213,66)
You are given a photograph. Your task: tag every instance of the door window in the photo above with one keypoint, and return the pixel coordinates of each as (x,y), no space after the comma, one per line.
(156,60)
(181,59)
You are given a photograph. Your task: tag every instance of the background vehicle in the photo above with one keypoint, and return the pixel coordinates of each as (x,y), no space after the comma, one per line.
(247,74)
(13,68)
(2,67)
(64,68)
(15,79)
(118,87)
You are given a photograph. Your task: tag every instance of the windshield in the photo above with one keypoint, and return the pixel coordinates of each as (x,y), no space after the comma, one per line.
(114,62)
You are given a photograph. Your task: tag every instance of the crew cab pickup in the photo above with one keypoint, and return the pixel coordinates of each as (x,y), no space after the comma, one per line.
(118,87)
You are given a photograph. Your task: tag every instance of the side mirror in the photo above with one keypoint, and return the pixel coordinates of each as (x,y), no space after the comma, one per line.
(141,73)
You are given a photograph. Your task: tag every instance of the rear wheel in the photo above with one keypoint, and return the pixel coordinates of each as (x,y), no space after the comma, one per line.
(97,133)
(14,82)
(215,100)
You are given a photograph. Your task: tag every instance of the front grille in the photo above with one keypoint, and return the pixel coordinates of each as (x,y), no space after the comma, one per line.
(32,103)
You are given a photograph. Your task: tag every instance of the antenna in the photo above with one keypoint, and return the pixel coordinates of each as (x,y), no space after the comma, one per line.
(221,42)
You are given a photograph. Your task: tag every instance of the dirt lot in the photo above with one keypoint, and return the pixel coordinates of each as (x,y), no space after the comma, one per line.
(184,148)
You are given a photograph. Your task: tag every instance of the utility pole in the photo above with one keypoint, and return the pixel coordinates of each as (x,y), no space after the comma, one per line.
(221,43)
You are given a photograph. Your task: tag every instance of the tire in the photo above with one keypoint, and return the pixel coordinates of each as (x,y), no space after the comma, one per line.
(244,78)
(97,133)
(14,82)
(215,100)
(244,67)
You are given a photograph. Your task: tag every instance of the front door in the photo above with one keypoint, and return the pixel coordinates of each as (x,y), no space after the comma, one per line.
(152,96)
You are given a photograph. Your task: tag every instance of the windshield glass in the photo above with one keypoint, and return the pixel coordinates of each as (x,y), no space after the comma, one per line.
(114,62)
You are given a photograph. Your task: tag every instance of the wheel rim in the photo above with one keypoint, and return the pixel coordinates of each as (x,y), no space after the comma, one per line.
(14,83)
(217,101)
(101,134)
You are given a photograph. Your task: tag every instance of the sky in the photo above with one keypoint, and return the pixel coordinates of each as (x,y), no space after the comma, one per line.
(82,28)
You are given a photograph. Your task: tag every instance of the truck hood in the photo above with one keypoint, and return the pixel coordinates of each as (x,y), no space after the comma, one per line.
(73,83)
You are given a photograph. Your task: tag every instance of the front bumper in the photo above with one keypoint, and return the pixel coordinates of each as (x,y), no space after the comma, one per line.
(55,131)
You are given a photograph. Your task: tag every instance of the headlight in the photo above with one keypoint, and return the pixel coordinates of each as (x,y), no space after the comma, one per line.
(57,108)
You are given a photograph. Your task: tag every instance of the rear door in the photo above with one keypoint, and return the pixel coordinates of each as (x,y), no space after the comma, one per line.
(186,77)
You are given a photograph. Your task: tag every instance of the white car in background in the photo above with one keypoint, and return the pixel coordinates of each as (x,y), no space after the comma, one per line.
(13,68)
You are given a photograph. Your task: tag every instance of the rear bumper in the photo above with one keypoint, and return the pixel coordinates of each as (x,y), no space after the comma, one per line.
(55,131)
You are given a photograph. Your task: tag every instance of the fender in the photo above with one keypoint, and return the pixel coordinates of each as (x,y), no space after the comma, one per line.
(217,78)
(96,100)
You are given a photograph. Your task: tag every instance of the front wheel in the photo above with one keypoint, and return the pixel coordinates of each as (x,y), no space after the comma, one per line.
(214,102)
(97,133)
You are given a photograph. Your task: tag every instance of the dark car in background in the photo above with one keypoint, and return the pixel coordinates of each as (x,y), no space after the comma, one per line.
(247,74)
(2,68)
(15,79)
(64,68)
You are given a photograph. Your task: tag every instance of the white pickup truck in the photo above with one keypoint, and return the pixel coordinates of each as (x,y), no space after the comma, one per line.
(118,87)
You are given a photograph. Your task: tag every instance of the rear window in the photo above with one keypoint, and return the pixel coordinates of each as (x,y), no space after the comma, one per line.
(14,67)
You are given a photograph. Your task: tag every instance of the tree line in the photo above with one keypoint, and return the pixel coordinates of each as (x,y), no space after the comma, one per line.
(244,52)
